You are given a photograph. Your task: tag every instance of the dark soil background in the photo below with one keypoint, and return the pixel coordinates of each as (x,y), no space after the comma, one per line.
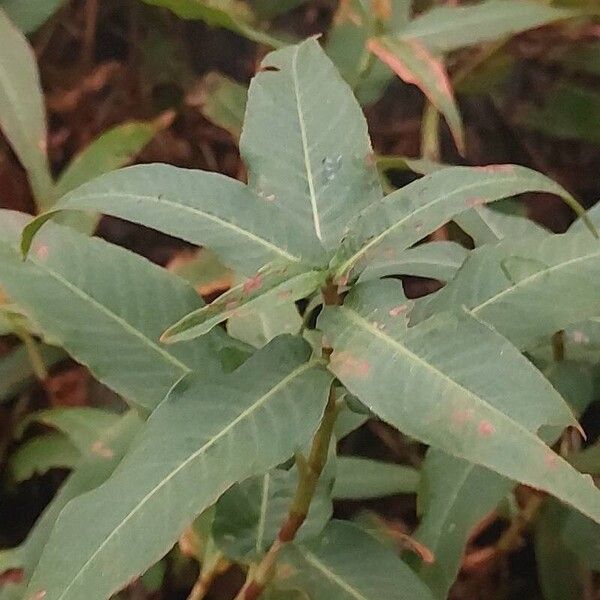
(104,62)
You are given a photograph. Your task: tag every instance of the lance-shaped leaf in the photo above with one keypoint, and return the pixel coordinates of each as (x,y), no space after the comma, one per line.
(203,208)
(411,213)
(16,371)
(435,260)
(22,112)
(89,474)
(91,298)
(357,478)
(221,100)
(559,569)
(514,286)
(210,435)
(487,226)
(249,515)
(441,382)
(230,14)
(40,454)
(454,496)
(413,63)
(113,149)
(28,16)
(261,292)
(446,28)
(306,144)
(81,425)
(346,563)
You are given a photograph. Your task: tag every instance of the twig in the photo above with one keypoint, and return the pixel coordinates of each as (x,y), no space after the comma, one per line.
(309,472)
(207,578)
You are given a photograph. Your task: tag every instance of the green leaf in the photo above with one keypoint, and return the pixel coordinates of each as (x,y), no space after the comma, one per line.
(570,112)
(454,496)
(22,112)
(222,101)
(306,144)
(441,382)
(245,231)
(447,28)
(268,9)
(28,16)
(487,225)
(434,260)
(89,474)
(411,213)
(358,478)
(346,563)
(96,305)
(111,150)
(249,515)
(261,292)
(559,570)
(40,454)
(81,425)
(353,24)
(413,63)
(208,436)
(258,328)
(582,537)
(16,371)
(230,14)
(514,286)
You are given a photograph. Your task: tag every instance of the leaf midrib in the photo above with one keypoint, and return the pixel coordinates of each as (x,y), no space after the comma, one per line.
(305,150)
(442,197)
(535,276)
(329,574)
(195,211)
(211,442)
(113,316)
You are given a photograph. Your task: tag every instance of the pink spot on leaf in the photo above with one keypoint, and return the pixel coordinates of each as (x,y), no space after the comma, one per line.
(497,168)
(399,310)
(39,595)
(231,305)
(100,449)
(551,460)
(253,284)
(347,365)
(460,417)
(42,252)
(485,428)
(284,295)
(475,202)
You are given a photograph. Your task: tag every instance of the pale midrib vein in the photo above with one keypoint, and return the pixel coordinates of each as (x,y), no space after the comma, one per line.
(262,521)
(456,192)
(190,209)
(361,322)
(248,411)
(533,277)
(307,163)
(113,316)
(329,574)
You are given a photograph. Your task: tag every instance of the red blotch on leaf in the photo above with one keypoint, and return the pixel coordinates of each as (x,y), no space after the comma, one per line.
(253,284)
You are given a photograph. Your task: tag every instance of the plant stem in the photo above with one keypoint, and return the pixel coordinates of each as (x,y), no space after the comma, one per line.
(207,578)
(309,472)
(33,353)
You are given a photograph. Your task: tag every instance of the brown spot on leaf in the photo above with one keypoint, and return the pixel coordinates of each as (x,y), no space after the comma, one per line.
(284,295)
